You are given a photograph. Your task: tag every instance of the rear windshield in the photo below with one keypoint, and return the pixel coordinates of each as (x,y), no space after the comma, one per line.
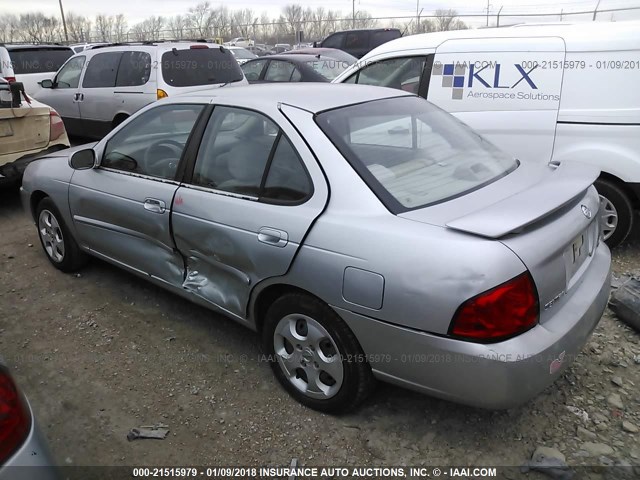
(329,68)
(38,60)
(199,66)
(411,153)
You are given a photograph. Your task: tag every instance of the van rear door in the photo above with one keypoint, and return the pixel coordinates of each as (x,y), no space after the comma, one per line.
(507,89)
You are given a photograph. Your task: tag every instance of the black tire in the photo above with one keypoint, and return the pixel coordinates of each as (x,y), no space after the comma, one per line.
(70,258)
(118,120)
(357,382)
(618,199)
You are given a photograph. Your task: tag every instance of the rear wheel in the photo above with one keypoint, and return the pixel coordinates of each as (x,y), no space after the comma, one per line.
(314,354)
(56,239)
(616,212)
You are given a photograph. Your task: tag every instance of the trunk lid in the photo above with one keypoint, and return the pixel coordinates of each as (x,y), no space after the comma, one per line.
(23,129)
(547,216)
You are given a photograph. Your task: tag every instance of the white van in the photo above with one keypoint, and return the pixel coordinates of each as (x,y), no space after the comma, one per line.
(546,93)
(99,88)
(30,64)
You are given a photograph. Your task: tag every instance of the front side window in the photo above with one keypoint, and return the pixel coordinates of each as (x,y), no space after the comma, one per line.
(135,69)
(411,153)
(102,70)
(152,143)
(329,68)
(399,73)
(69,75)
(245,153)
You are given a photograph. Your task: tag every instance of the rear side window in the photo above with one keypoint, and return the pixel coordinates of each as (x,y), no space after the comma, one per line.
(102,70)
(334,41)
(357,40)
(38,60)
(135,69)
(199,66)
(384,36)
(279,71)
(244,152)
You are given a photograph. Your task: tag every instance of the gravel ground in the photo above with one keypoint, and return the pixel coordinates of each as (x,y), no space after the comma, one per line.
(103,351)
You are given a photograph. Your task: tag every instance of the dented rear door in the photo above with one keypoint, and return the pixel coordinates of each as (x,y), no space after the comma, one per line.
(231,235)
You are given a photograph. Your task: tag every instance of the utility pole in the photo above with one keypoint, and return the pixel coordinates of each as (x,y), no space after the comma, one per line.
(498,16)
(561,12)
(595,12)
(488,8)
(353,14)
(64,23)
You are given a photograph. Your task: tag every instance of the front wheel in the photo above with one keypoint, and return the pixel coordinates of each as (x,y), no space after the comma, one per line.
(56,239)
(616,212)
(314,354)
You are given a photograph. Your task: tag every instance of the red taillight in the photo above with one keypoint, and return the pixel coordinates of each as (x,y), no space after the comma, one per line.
(15,419)
(56,126)
(194,47)
(502,312)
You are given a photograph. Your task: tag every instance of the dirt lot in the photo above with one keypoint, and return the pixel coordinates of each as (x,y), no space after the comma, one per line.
(102,352)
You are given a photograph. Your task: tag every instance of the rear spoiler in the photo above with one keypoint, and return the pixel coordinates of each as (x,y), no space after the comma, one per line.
(567,182)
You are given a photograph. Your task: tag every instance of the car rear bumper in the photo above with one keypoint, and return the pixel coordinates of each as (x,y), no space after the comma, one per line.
(11,172)
(494,376)
(32,461)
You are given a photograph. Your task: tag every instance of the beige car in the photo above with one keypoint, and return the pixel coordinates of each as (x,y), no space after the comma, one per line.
(27,131)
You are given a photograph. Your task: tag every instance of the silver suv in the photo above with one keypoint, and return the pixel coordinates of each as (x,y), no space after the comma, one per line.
(101,87)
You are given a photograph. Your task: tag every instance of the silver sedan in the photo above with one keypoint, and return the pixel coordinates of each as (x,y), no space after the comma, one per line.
(23,451)
(362,232)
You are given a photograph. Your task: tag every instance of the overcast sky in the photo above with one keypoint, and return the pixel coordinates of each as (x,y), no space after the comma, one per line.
(138,10)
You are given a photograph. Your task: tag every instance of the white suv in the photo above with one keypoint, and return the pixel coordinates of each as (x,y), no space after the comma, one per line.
(30,64)
(101,87)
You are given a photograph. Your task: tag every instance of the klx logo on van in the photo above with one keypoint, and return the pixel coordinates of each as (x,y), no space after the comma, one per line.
(495,82)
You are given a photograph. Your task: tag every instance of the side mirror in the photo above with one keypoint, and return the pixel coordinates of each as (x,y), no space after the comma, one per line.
(83,159)
(47,83)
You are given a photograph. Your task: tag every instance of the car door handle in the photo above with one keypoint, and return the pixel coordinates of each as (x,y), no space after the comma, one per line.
(271,236)
(78,97)
(153,205)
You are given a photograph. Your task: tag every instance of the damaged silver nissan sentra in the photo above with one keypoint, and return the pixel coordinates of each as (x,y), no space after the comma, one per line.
(363,232)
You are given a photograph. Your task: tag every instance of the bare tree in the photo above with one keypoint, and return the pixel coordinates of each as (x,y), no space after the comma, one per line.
(177,26)
(78,28)
(120,28)
(200,20)
(293,16)
(9,28)
(104,27)
(447,20)
(243,22)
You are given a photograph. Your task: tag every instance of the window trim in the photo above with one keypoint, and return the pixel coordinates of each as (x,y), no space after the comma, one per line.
(88,64)
(130,52)
(80,77)
(423,82)
(187,179)
(184,158)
